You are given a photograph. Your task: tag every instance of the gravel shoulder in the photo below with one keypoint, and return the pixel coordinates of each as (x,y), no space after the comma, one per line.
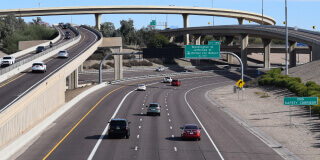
(269,115)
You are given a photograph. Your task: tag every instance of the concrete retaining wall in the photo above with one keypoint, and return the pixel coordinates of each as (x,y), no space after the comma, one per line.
(39,103)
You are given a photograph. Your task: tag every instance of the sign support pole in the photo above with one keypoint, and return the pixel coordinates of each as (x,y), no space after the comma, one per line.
(310,115)
(290,115)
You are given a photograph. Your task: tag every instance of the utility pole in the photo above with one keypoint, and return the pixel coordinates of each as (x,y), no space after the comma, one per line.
(286,40)
(262,13)
(212,16)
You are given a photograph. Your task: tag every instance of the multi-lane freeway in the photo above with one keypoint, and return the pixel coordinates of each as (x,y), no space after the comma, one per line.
(77,134)
(15,87)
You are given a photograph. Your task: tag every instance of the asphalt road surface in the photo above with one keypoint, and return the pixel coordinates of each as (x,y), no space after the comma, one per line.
(76,134)
(15,87)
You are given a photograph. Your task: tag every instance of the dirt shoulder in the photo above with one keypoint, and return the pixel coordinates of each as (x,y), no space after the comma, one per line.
(272,117)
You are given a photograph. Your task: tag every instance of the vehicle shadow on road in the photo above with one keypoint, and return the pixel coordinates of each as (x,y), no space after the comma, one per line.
(97,137)
(140,115)
(174,138)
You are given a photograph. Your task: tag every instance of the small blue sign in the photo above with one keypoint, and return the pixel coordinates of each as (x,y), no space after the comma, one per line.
(259,72)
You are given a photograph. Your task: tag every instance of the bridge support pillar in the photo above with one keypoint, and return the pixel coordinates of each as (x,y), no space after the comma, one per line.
(171,39)
(229,41)
(310,54)
(315,53)
(240,20)
(98,20)
(80,68)
(202,40)
(118,70)
(186,25)
(292,54)
(73,79)
(266,54)
(244,45)
(197,38)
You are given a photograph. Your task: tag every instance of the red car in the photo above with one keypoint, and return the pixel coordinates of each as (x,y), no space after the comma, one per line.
(175,82)
(190,131)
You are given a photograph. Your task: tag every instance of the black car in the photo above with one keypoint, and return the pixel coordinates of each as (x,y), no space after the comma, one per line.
(40,49)
(64,26)
(119,127)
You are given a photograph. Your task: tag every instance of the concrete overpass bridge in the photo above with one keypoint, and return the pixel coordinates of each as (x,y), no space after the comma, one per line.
(184,11)
(266,32)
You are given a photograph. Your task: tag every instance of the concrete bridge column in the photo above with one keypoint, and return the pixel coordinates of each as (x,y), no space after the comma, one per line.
(171,39)
(310,56)
(197,38)
(73,79)
(118,70)
(292,54)
(80,68)
(186,25)
(266,54)
(202,39)
(229,41)
(244,45)
(98,20)
(315,52)
(240,20)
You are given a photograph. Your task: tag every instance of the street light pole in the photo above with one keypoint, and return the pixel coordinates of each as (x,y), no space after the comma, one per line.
(286,40)
(262,13)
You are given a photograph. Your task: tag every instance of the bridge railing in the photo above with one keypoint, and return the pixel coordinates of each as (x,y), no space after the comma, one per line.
(20,63)
(93,30)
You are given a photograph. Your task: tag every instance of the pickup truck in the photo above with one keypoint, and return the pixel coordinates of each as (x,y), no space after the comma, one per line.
(7,60)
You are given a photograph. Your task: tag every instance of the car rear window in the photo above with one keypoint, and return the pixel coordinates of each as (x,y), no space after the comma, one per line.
(62,52)
(174,80)
(118,123)
(6,57)
(37,64)
(153,105)
(191,127)
(40,47)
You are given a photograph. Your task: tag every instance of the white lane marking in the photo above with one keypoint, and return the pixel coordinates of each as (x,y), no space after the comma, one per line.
(106,129)
(143,104)
(145,97)
(166,105)
(169,120)
(167,109)
(144,100)
(142,108)
(139,127)
(136,148)
(141,113)
(168,114)
(170,127)
(172,136)
(203,128)
(140,119)
(175,149)
(165,101)
(138,136)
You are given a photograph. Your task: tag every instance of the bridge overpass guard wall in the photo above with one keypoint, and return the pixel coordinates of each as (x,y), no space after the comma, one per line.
(39,103)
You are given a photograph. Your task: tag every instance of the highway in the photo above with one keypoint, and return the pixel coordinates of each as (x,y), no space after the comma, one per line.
(15,87)
(76,134)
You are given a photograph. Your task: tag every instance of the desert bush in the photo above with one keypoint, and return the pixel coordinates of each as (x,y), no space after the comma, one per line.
(155,60)
(97,66)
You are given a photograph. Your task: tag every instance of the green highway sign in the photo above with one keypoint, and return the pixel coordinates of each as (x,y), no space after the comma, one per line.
(202,51)
(153,23)
(300,101)
(214,43)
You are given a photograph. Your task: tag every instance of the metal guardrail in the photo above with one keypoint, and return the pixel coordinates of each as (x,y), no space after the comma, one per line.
(20,63)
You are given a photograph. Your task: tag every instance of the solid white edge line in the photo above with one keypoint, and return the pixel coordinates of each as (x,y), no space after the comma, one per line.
(204,129)
(106,129)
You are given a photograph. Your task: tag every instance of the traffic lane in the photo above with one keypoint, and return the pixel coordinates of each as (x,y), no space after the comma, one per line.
(14,87)
(181,115)
(61,40)
(232,139)
(82,139)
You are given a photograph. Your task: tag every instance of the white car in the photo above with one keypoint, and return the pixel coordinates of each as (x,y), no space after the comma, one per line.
(167,79)
(141,87)
(63,54)
(39,67)
(7,60)
(160,69)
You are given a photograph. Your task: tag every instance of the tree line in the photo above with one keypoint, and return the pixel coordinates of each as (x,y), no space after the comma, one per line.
(14,29)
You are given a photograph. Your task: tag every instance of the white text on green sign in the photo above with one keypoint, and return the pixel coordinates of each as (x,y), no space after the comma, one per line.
(300,101)
(202,51)
(213,42)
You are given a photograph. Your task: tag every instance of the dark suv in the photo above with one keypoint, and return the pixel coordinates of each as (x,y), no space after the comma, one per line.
(119,127)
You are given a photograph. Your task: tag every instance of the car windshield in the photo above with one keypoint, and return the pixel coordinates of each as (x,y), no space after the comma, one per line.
(118,123)
(174,80)
(6,57)
(41,47)
(167,77)
(191,127)
(141,85)
(154,105)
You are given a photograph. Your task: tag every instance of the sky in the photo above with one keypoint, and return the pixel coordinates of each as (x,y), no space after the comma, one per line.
(301,13)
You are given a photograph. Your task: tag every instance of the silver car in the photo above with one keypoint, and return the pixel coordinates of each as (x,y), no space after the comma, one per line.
(63,54)
(39,67)
(153,109)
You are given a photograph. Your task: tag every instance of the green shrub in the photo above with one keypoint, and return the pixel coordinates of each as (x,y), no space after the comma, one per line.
(110,64)
(137,63)
(309,83)
(97,66)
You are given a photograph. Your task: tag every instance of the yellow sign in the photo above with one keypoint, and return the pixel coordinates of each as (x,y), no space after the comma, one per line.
(208,23)
(240,83)
(314,27)
(249,21)
(284,22)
